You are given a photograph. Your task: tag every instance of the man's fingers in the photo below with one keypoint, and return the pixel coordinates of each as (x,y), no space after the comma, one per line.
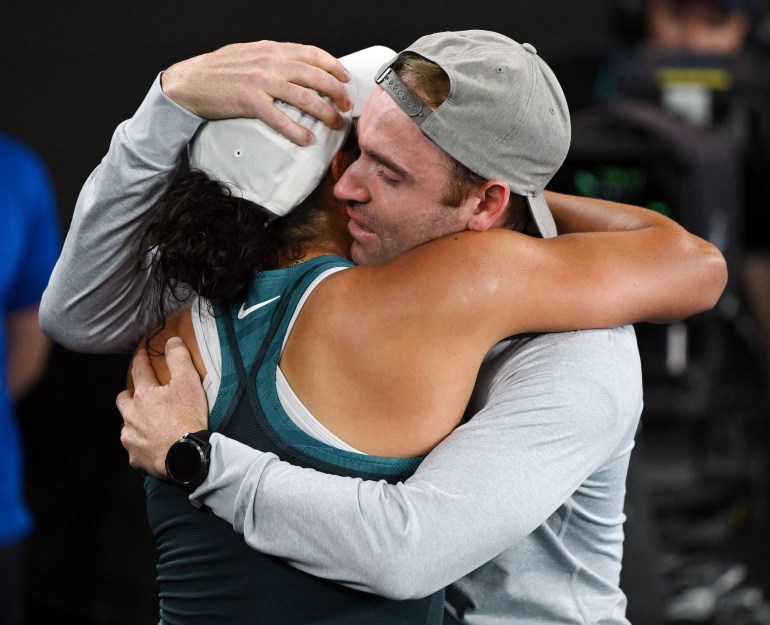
(306,98)
(282,124)
(245,80)
(125,404)
(186,379)
(142,372)
(298,74)
(179,361)
(122,400)
(317,81)
(310,100)
(316,68)
(313,55)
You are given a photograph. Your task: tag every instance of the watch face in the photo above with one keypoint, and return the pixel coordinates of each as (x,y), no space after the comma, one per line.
(185,462)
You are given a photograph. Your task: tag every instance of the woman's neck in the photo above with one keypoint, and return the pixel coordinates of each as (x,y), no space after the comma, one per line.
(314,250)
(333,239)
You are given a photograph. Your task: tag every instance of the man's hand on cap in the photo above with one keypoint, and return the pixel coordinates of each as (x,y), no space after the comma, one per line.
(245,79)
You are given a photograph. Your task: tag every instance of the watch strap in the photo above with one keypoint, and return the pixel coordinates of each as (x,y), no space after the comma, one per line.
(200,440)
(201,437)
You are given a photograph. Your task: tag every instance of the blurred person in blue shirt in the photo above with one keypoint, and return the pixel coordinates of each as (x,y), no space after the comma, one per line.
(29,247)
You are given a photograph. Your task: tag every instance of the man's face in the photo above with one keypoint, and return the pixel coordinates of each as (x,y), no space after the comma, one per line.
(698,26)
(395,189)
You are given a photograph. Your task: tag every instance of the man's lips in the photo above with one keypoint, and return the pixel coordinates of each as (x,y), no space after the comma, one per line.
(359,232)
(357,229)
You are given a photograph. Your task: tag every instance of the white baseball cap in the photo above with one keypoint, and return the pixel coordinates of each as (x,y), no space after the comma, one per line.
(258,164)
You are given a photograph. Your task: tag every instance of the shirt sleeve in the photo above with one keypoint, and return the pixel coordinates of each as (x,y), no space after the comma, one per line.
(96,301)
(553,410)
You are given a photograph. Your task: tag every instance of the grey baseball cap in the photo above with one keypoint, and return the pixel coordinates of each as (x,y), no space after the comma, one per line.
(506,115)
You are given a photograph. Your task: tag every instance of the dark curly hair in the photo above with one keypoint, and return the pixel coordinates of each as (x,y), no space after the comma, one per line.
(200,238)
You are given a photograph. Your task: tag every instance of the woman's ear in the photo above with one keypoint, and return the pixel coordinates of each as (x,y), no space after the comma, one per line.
(492,199)
(340,162)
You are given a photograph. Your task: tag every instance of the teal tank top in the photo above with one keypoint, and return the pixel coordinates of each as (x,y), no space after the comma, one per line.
(207,575)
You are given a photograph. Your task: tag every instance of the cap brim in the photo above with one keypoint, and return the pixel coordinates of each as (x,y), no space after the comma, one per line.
(363,66)
(541,214)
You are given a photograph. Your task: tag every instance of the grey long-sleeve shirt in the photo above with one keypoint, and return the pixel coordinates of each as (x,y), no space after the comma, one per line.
(523,504)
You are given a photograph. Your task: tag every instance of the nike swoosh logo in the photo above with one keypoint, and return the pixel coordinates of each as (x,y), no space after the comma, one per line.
(247,311)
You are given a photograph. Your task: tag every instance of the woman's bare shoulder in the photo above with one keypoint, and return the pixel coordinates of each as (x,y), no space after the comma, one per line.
(179,323)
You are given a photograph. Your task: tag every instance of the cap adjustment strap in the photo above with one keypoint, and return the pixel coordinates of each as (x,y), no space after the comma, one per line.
(404,97)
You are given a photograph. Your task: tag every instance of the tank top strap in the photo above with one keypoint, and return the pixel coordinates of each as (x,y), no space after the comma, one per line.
(246,380)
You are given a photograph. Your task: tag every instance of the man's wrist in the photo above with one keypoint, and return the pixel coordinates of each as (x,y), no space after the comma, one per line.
(187,460)
(161,129)
(172,85)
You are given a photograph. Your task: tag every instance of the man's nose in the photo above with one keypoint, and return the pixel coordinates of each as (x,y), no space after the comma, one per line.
(349,188)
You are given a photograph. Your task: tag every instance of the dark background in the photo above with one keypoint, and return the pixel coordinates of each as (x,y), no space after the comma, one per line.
(71,72)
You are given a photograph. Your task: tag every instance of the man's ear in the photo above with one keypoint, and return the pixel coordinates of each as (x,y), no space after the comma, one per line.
(492,200)
(340,162)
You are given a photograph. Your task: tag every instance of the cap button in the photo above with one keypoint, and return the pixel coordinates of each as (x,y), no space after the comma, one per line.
(529,48)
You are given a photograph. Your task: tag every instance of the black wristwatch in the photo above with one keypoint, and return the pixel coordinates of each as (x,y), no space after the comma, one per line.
(187,460)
